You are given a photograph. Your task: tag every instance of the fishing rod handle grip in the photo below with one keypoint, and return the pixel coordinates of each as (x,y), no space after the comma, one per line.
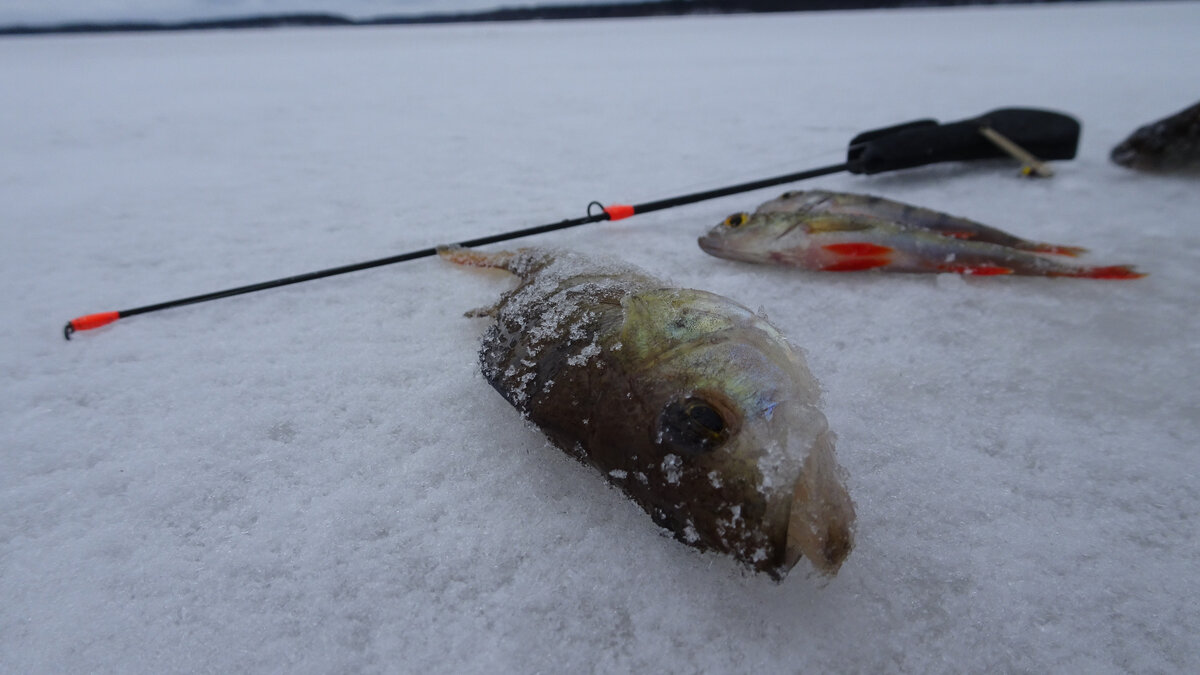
(1044,133)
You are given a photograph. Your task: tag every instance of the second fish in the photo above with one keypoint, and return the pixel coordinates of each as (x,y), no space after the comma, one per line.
(840,232)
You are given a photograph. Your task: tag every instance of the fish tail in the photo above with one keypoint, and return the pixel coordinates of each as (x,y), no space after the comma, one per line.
(1107,272)
(1054,249)
(466,256)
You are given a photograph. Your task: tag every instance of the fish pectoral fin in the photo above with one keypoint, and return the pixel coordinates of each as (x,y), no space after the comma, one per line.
(858,249)
(856,256)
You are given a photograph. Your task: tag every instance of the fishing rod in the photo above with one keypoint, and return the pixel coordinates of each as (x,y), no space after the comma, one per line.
(1025,133)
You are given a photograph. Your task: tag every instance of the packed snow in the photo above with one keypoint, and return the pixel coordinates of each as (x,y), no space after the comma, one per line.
(317,479)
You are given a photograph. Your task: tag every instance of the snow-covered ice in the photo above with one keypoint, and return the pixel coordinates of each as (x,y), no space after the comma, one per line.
(317,479)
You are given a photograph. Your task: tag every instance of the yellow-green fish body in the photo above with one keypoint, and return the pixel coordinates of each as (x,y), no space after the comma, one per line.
(906,217)
(693,405)
(833,232)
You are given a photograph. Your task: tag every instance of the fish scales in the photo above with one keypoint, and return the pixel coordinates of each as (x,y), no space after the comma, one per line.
(693,405)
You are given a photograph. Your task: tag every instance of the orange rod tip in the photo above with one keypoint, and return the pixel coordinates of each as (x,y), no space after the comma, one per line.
(90,321)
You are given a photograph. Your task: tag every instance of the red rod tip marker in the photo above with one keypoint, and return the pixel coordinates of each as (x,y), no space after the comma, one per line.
(89,322)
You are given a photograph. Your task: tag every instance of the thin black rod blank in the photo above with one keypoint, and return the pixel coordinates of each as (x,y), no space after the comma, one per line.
(735,189)
(483,241)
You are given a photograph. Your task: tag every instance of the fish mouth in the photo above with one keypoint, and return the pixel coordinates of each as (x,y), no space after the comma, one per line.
(821,519)
(1123,155)
(710,244)
(716,245)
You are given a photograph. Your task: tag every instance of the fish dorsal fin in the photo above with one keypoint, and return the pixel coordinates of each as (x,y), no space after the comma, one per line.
(799,201)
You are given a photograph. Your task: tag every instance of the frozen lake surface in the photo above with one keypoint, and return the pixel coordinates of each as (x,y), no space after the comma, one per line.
(317,479)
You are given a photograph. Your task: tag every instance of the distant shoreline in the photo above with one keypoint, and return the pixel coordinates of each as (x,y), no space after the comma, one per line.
(524,13)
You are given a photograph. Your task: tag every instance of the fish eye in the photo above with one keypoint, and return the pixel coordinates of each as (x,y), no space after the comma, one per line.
(692,426)
(736,220)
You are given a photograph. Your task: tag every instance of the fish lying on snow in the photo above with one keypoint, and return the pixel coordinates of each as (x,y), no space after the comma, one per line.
(1170,144)
(905,216)
(692,404)
(839,232)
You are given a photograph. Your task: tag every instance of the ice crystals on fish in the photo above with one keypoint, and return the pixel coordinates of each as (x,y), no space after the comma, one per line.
(700,399)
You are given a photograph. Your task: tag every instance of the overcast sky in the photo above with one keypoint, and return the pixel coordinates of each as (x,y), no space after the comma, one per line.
(55,11)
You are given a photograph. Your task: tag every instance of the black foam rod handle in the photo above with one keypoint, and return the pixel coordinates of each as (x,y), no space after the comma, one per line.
(1044,133)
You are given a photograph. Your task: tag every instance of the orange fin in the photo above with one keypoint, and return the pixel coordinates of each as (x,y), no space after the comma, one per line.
(1109,272)
(858,249)
(853,256)
(1055,249)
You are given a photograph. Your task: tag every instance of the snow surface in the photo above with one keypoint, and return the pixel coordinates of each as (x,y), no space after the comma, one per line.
(317,479)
